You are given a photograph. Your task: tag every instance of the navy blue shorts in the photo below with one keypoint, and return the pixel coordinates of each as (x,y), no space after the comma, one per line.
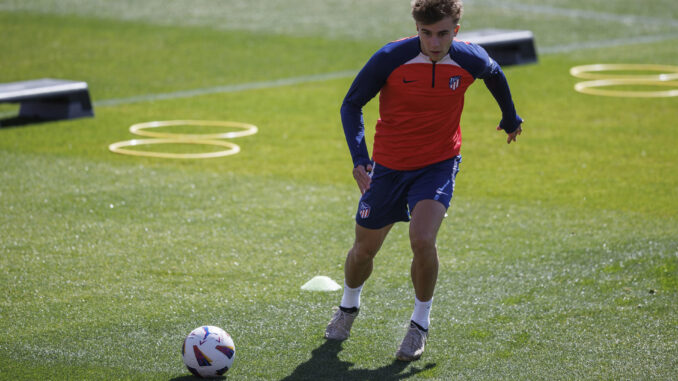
(393,194)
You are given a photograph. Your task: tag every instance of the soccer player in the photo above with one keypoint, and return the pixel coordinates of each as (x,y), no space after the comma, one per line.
(421,83)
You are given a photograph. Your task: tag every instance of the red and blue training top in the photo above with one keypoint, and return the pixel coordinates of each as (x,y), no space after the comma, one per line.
(420,103)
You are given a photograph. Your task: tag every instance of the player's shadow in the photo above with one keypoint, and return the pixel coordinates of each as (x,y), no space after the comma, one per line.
(325,364)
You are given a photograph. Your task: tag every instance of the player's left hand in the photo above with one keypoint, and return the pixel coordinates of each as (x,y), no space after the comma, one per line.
(512,137)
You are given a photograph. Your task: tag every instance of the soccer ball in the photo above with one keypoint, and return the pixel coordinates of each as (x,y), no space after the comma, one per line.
(208,351)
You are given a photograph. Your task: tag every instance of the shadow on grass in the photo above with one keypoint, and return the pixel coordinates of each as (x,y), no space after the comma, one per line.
(325,364)
(19,121)
(194,378)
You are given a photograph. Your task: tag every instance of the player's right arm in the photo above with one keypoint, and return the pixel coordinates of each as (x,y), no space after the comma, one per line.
(361,174)
(365,86)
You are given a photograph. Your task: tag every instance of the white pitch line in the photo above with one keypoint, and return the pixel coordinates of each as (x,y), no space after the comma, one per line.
(227,88)
(565,48)
(568,48)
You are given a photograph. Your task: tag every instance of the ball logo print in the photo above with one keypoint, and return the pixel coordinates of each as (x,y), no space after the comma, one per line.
(228,351)
(208,351)
(202,359)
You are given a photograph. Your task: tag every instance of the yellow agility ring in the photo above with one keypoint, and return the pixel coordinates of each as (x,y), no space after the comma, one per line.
(605,80)
(593,71)
(593,88)
(176,138)
(117,148)
(140,129)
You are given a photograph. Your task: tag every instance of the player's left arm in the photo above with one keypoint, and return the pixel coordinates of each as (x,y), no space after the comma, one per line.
(513,135)
(498,85)
(496,82)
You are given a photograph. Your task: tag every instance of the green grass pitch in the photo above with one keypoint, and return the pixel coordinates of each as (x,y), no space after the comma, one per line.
(559,258)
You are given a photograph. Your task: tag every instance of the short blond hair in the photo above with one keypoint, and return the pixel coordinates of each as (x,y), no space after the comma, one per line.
(429,12)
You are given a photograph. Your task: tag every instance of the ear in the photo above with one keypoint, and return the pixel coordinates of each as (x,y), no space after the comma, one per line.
(456,30)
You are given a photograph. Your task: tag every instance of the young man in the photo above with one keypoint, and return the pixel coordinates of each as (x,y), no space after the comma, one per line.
(421,81)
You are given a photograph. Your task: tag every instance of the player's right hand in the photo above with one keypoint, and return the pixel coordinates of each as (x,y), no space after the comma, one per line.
(362,177)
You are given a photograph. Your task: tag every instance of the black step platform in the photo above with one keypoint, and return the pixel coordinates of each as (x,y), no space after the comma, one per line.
(507,47)
(48,99)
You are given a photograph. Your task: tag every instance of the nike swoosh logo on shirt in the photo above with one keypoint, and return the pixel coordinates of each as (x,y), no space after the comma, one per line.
(406,81)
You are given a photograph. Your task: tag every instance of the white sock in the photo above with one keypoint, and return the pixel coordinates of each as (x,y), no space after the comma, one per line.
(351,296)
(422,311)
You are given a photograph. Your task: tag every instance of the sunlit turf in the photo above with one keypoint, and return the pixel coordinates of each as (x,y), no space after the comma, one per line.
(123,59)
(139,255)
(559,257)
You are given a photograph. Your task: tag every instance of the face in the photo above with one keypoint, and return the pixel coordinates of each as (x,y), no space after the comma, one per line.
(436,38)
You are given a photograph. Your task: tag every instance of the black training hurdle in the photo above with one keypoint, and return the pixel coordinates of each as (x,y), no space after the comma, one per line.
(507,47)
(48,99)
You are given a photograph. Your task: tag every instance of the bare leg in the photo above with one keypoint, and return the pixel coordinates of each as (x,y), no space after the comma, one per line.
(359,260)
(358,268)
(426,219)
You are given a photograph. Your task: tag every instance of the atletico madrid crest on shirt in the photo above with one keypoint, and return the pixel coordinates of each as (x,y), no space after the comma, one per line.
(454,82)
(364,210)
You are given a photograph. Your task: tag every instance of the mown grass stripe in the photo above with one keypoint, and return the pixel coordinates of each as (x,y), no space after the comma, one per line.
(565,48)
(556,49)
(227,88)
(568,48)
(579,14)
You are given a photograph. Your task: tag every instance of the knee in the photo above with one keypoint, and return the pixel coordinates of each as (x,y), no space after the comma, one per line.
(423,245)
(363,252)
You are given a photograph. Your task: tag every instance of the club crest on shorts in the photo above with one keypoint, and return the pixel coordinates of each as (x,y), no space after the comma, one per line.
(364,210)
(454,82)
